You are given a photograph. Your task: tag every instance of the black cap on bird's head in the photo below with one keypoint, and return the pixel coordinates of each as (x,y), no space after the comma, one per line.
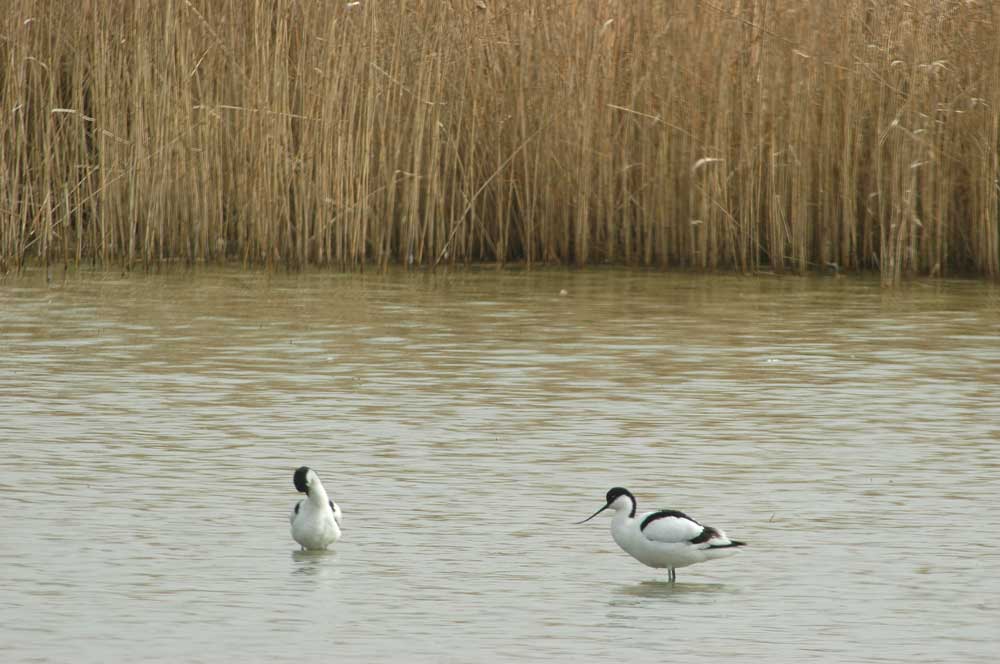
(301,480)
(616,493)
(613,495)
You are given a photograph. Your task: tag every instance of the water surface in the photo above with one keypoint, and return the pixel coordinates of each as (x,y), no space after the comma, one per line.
(150,426)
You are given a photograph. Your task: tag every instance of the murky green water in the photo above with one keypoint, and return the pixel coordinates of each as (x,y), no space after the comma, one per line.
(150,426)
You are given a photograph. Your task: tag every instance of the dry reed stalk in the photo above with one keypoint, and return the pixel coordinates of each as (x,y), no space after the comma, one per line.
(732,134)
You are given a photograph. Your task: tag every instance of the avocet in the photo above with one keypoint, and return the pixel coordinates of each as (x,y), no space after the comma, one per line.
(664,539)
(316,518)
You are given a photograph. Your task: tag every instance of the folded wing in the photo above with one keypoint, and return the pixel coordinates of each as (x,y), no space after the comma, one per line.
(336,512)
(671,527)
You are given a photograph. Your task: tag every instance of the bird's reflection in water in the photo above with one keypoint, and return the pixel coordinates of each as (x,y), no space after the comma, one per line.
(312,562)
(635,593)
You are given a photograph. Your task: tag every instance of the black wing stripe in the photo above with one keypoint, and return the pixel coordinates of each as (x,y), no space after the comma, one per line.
(707,533)
(297,507)
(664,514)
(332,508)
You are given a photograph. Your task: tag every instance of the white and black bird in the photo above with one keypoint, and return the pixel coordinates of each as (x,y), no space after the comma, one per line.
(666,538)
(316,518)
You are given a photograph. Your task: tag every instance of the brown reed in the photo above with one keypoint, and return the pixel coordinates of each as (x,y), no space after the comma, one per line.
(713,134)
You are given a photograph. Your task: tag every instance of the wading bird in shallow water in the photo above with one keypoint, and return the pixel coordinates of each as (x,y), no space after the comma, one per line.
(666,538)
(316,518)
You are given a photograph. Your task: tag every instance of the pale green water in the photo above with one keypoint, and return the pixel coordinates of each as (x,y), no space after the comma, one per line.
(150,426)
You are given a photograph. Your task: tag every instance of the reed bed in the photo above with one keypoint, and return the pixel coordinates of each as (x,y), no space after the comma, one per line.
(740,135)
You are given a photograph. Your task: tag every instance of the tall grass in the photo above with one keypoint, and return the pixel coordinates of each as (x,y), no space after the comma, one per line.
(725,134)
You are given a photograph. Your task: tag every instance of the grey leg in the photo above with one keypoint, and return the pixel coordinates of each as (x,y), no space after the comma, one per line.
(672,577)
